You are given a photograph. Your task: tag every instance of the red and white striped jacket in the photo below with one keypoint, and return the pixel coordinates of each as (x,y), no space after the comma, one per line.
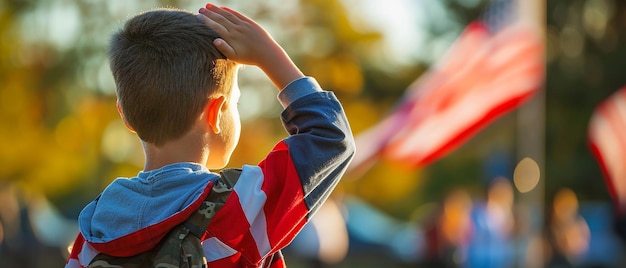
(269,205)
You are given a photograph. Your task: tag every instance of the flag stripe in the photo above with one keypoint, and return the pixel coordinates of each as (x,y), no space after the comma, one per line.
(483,76)
(608,144)
(496,77)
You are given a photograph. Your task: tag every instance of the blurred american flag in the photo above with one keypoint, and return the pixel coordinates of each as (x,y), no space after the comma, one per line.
(494,66)
(607,128)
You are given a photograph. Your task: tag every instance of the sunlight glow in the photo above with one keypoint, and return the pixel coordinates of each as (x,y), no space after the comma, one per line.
(119,144)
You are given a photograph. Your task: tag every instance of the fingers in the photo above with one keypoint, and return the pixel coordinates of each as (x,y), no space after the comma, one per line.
(222,15)
(224,23)
(215,20)
(219,28)
(224,47)
(219,43)
(235,14)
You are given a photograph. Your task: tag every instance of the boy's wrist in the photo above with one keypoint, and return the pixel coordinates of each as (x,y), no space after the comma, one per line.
(280,69)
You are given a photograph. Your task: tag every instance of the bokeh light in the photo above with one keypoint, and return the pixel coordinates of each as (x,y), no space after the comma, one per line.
(526,175)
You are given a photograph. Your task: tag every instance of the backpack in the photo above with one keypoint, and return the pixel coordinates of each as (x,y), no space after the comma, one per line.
(181,246)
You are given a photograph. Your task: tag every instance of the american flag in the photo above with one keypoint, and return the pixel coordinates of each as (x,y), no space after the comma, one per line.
(493,67)
(606,139)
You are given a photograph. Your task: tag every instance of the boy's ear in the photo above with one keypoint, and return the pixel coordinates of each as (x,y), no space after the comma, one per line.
(119,110)
(213,111)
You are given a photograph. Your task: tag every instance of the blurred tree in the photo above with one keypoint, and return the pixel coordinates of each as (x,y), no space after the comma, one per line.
(60,81)
(60,134)
(49,133)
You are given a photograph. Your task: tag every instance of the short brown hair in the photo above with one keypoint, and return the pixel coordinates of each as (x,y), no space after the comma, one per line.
(165,68)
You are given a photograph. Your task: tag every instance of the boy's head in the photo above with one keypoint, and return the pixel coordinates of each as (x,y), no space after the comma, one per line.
(166,68)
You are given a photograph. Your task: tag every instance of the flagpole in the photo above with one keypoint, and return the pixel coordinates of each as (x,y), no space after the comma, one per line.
(531,149)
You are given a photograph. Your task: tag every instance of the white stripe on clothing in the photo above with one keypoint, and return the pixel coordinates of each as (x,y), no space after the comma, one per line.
(252,200)
(214,249)
(87,253)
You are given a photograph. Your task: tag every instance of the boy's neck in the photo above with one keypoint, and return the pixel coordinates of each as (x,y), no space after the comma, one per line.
(189,148)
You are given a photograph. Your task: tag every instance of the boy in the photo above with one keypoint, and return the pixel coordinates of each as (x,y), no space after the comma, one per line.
(176,88)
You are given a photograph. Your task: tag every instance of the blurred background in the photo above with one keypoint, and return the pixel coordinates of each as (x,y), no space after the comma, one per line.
(61,141)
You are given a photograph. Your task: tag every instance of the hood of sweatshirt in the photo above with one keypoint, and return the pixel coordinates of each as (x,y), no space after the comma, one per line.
(133,214)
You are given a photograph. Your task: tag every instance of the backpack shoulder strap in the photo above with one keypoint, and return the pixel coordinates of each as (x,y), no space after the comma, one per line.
(200,219)
(186,251)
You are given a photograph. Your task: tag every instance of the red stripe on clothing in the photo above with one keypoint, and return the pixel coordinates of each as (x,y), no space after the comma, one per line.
(76,247)
(285,209)
(232,228)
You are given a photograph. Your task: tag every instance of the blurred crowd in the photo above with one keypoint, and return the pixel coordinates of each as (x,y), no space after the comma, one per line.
(33,233)
(468,230)
(462,230)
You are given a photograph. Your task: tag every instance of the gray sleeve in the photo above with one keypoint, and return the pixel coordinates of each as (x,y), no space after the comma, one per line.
(298,88)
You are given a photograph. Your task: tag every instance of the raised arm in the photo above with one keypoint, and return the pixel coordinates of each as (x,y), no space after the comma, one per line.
(272,201)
